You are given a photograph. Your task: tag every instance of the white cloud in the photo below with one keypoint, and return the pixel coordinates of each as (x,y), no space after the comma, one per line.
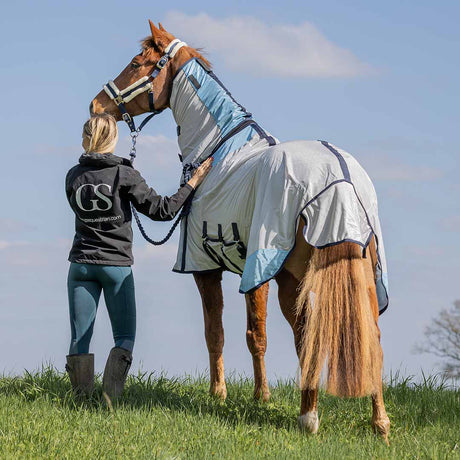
(246,44)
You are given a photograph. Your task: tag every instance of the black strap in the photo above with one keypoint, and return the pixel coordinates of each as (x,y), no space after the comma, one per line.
(212,254)
(151,101)
(148,118)
(127,118)
(219,232)
(236,233)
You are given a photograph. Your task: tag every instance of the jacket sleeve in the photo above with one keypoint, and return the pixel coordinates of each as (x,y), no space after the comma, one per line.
(152,205)
(68,184)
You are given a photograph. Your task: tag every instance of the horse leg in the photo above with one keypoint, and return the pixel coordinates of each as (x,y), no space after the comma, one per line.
(288,281)
(380,421)
(256,338)
(287,294)
(210,287)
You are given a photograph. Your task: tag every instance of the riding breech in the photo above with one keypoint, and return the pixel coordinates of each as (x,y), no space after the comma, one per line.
(85,283)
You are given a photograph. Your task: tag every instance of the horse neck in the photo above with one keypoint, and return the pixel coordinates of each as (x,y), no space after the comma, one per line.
(203,109)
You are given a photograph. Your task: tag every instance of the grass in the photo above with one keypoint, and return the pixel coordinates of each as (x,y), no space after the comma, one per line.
(175,418)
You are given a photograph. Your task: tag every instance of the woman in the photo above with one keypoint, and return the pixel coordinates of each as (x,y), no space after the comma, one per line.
(100,190)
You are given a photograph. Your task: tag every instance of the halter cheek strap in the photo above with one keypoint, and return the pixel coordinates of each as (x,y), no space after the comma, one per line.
(170,51)
(122,97)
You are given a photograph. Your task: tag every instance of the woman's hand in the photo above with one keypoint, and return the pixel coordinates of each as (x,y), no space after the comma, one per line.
(200,173)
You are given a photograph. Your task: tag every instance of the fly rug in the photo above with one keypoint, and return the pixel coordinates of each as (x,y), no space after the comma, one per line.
(302,212)
(245,214)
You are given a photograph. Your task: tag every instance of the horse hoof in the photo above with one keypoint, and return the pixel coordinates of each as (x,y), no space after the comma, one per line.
(219,391)
(382,427)
(309,422)
(264,393)
(266,396)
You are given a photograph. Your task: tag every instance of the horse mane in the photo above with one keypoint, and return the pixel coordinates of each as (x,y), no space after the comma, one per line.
(149,43)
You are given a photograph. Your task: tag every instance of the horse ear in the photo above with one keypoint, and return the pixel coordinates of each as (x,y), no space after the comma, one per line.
(155,32)
(161,27)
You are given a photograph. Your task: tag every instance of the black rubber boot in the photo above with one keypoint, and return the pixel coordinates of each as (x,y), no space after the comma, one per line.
(116,371)
(81,372)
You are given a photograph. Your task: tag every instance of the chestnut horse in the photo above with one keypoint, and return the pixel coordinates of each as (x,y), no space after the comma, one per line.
(342,327)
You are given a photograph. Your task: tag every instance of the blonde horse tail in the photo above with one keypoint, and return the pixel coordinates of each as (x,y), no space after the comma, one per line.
(334,304)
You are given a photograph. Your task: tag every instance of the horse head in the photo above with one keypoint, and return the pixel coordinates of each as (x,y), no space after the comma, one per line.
(145,84)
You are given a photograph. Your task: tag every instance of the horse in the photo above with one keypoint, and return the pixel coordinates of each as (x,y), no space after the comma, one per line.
(303,213)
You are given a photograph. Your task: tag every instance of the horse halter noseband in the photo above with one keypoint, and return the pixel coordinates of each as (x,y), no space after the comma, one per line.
(122,96)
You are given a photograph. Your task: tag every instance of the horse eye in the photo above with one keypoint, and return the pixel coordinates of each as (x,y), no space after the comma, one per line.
(135,65)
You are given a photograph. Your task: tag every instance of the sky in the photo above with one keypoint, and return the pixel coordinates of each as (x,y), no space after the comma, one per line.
(378,79)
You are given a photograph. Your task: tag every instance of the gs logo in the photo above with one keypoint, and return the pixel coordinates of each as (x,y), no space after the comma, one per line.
(100,197)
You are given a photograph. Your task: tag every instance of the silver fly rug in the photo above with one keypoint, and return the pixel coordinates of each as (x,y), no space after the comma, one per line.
(244,215)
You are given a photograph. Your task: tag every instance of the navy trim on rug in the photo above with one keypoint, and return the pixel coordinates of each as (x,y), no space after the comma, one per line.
(189,272)
(343,163)
(184,246)
(261,132)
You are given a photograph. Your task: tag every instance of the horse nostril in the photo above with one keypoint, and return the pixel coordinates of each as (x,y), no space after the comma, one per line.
(91,108)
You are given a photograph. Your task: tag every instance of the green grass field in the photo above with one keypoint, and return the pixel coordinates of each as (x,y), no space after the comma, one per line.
(166,418)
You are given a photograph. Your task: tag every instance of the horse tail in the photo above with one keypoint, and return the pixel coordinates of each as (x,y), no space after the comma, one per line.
(336,303)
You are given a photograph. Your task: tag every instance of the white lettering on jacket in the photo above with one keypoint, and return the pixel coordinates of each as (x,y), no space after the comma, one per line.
(99,195)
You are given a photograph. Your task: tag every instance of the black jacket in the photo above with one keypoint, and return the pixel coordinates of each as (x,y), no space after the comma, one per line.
(100,189)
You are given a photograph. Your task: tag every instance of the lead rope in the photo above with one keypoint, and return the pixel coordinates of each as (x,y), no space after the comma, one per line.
(185,210)
(144,234)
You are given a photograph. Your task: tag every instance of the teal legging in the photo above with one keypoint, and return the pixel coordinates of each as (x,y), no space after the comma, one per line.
(84,284)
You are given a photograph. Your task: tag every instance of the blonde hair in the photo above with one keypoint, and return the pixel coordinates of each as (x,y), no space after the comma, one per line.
(102,133)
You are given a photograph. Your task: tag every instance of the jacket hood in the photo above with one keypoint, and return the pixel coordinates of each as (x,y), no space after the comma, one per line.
(102,160)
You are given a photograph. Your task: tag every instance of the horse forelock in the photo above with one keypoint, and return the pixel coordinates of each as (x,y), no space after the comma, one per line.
(149,44)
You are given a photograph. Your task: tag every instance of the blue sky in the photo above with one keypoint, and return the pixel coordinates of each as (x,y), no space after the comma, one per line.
(379,79)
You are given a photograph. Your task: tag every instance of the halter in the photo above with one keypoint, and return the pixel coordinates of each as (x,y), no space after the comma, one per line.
(122,97)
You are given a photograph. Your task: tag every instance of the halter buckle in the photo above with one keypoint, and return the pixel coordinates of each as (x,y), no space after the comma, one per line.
(118,99)
(126,117)
(163,61)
